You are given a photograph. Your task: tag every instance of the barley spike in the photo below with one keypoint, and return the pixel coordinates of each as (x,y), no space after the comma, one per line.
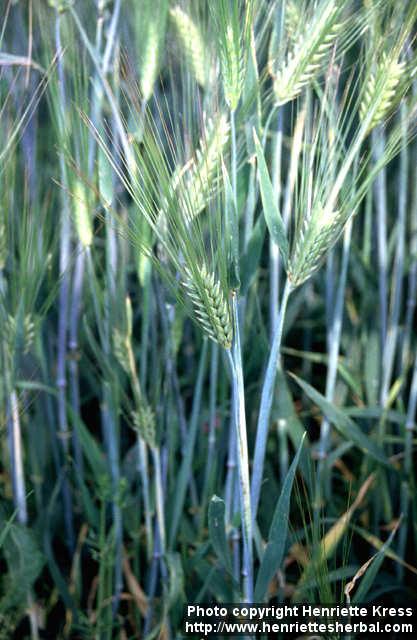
(211,309)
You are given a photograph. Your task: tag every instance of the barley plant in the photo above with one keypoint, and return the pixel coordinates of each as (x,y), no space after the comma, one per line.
(208,289)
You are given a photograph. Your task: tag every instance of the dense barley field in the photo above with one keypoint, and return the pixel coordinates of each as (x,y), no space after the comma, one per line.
(208,283)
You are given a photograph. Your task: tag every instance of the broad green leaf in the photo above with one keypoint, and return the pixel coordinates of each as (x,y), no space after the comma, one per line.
(217,531)
(272,215)
(274,550)
(346,427)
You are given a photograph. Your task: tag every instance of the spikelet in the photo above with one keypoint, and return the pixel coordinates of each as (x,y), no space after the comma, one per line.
(144,423)
(196,182)
(381,89)
(232,67)
(307,54)
(20,337)
(233,21)
(120,350)
(192,42)
(210,306)
(82,218)
(152,18)
(315,237)
(293,17)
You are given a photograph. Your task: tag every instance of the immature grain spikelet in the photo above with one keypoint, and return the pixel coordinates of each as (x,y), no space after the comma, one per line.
(293,17)
(120,349)
(82,217)
(20,334)
(233,21)
(315,237)
(192,43)
(308,50)
(144,423)
(210,305)
(151,20)
(380,90)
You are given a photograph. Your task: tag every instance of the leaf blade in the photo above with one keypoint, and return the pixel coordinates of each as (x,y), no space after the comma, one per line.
(274,550)
(345,425)
(273,218)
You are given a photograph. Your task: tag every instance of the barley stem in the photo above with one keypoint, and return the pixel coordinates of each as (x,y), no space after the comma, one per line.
(334,336)
(211,448)
(274,261)
(266,404)
(64,266)
(378,142)
(235,358)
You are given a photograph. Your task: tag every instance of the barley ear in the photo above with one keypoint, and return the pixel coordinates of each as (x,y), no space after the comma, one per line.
(196,182)
(317,234)
(151,17)
(192,42)
(233,20)
(380,90)
(211,309)
(308,50)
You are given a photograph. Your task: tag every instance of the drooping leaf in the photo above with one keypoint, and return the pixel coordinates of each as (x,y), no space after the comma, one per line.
(368,571)
(345,425)
(274,551)
(273,218)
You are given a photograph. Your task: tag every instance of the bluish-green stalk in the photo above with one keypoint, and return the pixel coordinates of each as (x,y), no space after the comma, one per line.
(334,336)
(64,269)
(211,465)
(238,397)
(274,257)
(266,403)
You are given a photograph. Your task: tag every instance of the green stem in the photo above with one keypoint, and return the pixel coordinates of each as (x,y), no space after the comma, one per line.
(266,403)
(243,459)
